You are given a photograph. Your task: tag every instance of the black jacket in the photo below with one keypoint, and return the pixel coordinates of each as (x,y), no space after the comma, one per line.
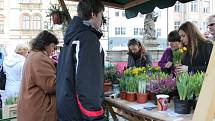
(132,62)
(80,74)
(200,62)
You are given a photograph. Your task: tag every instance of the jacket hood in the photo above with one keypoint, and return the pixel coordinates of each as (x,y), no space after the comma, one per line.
(77,26)
(10,61)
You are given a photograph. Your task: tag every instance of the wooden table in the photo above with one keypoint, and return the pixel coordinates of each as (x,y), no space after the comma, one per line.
(120,107)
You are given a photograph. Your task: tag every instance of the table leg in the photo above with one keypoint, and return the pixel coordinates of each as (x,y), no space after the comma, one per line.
(113,114)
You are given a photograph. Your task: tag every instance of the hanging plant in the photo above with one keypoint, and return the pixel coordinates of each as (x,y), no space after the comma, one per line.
(57,14)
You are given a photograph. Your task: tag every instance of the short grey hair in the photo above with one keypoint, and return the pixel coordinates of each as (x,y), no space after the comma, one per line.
(20,48)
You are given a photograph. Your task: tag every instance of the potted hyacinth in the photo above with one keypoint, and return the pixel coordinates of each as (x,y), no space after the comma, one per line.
(182,105)
(188,85)
(131,89)
(142,95)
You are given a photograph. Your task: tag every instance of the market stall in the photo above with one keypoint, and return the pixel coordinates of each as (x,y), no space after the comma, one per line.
(134,111)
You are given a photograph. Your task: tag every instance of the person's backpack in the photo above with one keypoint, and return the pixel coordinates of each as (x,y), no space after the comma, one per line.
(2,78)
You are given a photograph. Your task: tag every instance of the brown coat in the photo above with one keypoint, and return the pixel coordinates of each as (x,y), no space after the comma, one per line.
(37,100)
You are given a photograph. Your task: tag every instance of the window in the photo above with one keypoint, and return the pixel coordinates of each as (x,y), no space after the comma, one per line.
(138,31)
(1,4)
(176,25)
(37,23)
(117,31)
(141,31)
(123,30)
(117,13)
(178,7)
(123,13)
(26,22)
(206,7)
(120,30)
(194,6)
(158,32)
(135,31)
(30,1)
(205,26)
(1,28)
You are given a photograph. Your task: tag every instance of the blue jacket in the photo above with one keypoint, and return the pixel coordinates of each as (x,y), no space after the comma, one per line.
(80,74)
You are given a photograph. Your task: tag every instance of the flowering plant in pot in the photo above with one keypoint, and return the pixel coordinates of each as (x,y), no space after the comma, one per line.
(197,79)
(111,76)
(178,55)
(131,72)
(186,86)
(162,83)
(142,95)
(131,89)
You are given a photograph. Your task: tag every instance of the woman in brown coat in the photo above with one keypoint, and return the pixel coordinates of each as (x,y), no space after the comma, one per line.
(37,100)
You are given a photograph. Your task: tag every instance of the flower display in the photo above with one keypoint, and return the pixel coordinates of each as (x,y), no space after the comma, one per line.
(161,83)
(134,71)
(178,55)
(189,84)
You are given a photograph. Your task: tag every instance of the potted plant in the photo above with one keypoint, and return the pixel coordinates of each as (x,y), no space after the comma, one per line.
(197,79)
(177,55)
(182,105)
(142,95)
(57,14)
(161,83)
(111,77)
(122,86)
(131,89)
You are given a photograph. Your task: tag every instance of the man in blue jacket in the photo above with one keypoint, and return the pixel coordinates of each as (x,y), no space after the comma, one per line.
(80,70)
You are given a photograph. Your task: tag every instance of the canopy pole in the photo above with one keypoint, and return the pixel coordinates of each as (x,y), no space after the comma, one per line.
(205,108)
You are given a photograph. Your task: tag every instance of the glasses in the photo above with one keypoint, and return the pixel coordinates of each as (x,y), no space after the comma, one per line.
(211,24)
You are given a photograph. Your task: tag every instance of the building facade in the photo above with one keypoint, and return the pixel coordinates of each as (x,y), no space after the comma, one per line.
(122,29)
(21,20)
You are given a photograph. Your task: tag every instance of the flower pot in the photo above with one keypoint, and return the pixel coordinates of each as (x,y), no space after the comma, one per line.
(123,95)
(56,18)
(107,86)
(142,97)
(172,95)
(131,96)
(182,106)
(150,95)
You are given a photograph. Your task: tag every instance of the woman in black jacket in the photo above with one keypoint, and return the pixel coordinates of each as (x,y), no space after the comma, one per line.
(198,49)
(137,55)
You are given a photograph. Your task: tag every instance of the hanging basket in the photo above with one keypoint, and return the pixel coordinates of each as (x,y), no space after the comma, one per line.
(56,17)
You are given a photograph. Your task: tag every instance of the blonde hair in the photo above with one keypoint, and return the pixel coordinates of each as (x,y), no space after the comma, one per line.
(21,48)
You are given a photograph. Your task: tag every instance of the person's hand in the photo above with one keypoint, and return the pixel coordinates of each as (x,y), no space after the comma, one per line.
(168,64)
(206,34)
(181,69)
